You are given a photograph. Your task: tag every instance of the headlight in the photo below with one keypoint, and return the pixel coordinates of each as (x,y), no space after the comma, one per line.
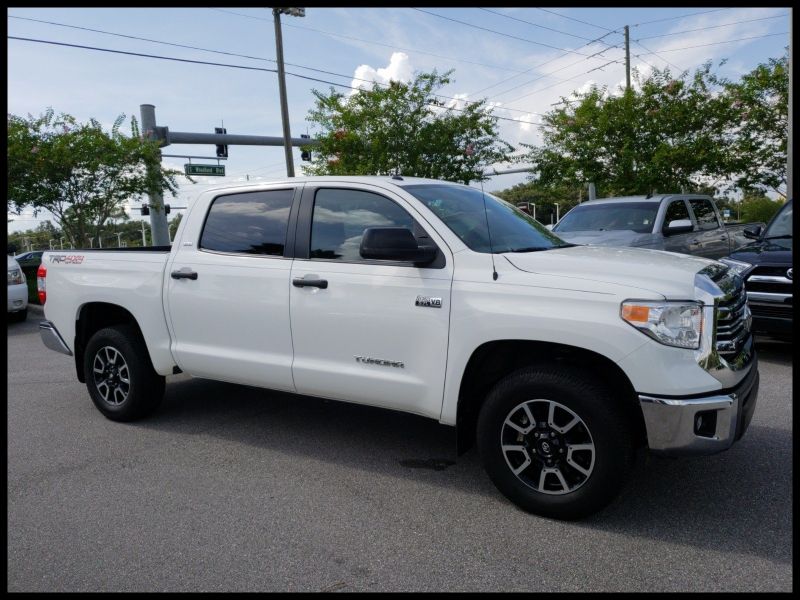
(672,323)
(737,266)
(15,276)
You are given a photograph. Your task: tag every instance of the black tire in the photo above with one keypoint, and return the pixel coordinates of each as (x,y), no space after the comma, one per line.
(19,316)
(568,494)
(144,389)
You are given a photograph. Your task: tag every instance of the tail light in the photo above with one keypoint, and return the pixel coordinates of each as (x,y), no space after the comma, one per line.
(40,283)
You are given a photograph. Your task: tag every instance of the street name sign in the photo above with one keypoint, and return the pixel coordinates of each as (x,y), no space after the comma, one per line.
(217,170)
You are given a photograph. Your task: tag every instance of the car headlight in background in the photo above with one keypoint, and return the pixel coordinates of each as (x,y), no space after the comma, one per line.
(737,266)
(672,323)
(15,276)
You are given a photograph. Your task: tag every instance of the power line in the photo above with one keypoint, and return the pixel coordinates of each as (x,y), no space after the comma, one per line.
(502,81)
(552,12)
(657,55)
(679,17)
(351,77)
(248,68)
(374,43)
(508,35)
(494,12)
(754,37)
(650,37)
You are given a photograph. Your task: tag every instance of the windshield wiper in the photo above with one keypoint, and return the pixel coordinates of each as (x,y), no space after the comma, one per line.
(779,237)
(529,249)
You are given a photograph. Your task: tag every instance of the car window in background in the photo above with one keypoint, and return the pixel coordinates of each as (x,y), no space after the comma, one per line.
(676,211)
(780,229)
(704,213)
(610,216)
(251,223)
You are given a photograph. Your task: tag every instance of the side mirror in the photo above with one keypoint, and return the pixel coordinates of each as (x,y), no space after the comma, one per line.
(752,232)
(678,226)
(395,243)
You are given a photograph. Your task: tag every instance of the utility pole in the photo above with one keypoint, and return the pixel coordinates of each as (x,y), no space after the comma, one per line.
(287,135)
(144,238)
(789,190)
(592,192)
(158,219)
(627,58)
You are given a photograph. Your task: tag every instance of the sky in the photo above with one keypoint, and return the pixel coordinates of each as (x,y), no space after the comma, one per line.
(521,60)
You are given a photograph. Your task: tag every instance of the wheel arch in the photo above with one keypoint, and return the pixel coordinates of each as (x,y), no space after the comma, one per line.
(494,360)
(91,318)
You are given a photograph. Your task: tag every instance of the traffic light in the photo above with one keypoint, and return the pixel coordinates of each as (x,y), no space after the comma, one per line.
(305,155)
(222,149)
(145,210)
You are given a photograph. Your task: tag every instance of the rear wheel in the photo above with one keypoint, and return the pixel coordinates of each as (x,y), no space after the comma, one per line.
(19,316)
(119,375)
(555,442)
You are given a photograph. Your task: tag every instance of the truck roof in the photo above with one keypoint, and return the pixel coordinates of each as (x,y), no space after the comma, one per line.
(655,199)
(398,180)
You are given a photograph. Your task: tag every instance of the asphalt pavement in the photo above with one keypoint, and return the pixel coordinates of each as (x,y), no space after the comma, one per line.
(233,488)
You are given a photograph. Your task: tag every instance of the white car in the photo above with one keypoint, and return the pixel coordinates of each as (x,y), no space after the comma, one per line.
(17,292)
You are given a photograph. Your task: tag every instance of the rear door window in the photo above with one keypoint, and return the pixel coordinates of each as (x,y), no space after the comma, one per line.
(248,223)
(704,213)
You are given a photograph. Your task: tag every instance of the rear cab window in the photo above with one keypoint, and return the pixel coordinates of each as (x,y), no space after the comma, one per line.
(248,223)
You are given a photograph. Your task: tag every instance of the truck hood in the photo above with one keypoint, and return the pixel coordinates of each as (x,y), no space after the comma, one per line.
(665,273)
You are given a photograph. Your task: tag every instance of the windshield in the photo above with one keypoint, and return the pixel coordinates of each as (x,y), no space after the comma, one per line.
(617,216)
(781,225)
(462,210)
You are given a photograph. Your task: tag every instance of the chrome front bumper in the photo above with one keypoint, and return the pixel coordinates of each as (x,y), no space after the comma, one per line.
(52,339)
(700,425)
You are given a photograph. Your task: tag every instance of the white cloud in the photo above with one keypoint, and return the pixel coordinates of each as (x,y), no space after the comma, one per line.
(398,69)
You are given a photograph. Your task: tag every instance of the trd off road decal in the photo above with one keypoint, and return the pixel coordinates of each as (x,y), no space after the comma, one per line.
(69,259)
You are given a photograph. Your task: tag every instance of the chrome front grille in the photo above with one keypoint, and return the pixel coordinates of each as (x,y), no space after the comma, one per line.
(733,323)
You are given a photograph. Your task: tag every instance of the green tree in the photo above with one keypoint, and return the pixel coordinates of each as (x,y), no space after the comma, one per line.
(544,198)
(759,208)
(761,102)
(665,134)
(78,172)
(404,129)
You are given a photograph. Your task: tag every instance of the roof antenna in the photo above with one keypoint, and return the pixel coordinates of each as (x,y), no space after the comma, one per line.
(488,230)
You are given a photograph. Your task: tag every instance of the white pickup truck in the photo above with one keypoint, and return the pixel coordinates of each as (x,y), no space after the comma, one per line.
(557,360)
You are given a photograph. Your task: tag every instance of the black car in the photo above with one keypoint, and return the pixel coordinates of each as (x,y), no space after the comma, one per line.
(766,266)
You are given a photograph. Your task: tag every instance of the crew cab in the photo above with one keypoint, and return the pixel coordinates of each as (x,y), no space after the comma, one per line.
(558,361)
(687,223)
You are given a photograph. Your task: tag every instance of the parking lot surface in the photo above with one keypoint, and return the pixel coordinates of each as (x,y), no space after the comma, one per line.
(235,488)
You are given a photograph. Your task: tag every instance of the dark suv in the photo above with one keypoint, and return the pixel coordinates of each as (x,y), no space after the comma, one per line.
(766,266)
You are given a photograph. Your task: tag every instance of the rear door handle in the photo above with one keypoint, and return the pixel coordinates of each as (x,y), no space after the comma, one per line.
(318,283)
(185,273)
(694,242)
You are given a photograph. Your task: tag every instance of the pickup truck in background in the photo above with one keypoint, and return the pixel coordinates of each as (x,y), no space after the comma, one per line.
(686,223)
(558,361)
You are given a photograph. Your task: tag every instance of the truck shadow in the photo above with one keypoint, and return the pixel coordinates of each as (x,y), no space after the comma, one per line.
(710,502)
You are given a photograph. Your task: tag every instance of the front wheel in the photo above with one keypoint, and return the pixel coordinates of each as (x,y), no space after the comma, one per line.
(555,442)
(119,375)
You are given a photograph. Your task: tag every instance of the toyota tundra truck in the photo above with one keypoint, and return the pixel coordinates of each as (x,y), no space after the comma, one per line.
(558,361)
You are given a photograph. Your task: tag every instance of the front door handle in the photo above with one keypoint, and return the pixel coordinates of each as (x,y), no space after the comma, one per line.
(694,242)
(184,273)
(318,283)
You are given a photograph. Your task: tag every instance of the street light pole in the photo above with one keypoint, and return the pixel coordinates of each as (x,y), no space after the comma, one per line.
(287,135)
(557,212)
